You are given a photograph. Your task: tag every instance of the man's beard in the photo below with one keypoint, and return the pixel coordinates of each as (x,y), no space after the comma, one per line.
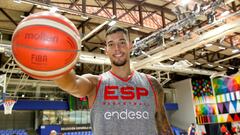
(119,63)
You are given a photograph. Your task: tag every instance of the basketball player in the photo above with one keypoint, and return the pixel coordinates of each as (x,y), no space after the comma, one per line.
(122,101)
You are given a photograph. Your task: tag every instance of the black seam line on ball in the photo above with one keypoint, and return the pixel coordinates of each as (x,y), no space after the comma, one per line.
(52,50)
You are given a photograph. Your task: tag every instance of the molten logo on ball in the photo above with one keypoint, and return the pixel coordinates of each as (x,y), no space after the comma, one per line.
(41,36)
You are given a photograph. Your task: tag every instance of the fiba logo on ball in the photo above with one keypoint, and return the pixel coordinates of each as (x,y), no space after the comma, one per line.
(46,45)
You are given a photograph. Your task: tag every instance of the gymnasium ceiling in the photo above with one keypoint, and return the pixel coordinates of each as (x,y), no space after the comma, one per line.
(167,43)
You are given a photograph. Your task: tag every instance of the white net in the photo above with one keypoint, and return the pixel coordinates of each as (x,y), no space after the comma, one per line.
(8,106)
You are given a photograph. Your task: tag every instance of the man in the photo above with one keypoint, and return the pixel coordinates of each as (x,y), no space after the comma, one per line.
(122,102)
(192,129)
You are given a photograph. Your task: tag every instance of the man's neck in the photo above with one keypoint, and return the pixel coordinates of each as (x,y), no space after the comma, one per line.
(121,71)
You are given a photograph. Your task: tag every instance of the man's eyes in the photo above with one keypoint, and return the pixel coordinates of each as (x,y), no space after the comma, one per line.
(123,42)
(119,43)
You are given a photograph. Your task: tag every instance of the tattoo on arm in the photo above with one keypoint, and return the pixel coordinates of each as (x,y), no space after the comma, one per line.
(163,125)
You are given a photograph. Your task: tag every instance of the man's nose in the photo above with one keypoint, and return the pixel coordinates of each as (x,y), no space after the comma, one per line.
(117,46)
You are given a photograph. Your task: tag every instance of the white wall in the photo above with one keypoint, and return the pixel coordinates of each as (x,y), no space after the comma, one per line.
(183,117)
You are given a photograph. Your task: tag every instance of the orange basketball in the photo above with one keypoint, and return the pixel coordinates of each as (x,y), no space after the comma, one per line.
(45,45)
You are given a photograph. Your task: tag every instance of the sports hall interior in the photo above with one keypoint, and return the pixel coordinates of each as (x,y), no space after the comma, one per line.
(191,46)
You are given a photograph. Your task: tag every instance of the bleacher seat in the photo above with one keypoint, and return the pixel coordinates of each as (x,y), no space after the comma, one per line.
(13,131)
(79,133)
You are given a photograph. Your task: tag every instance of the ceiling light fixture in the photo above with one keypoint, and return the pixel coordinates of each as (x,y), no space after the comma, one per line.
(112,22)
(17,1)
(235,50)
(135,28)
(197,63)
(208,45)
(184,2)
(225,13)
(228,1)
(171,59)
(84,17)
(210,65)
(220,66)
(22,16)
(53,9)
(102,48)
(222,48)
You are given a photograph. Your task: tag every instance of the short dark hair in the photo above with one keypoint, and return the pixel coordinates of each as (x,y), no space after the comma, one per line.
(115,29)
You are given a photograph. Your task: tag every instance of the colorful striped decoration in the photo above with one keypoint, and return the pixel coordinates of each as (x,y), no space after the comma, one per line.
(206,109)
(226,105)
(207,119)
(223,85)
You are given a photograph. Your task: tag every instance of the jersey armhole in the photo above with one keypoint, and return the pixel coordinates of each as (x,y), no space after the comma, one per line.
(97,88)
(154,92)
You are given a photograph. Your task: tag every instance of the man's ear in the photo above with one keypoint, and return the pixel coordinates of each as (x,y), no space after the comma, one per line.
(130,45)
(105,50)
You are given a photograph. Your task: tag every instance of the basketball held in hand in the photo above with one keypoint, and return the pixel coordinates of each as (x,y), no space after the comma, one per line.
(46,45)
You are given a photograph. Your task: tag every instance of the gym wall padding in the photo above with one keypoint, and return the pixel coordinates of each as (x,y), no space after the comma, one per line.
(57,105)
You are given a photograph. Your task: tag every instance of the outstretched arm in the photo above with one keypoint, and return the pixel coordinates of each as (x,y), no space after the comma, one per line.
(77,86)
(163,125)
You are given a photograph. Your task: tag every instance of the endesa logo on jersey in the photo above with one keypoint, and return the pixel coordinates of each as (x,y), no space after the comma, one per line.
(126,114)
(126,93)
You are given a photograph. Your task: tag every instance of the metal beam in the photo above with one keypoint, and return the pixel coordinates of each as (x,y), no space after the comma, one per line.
(153,19)
(31,10)
(129,13)
(147,16)
(114,7)
(101,59)
(9,17)
(103,7)
(84,6)
(195,42)
(73,4)
(98,28)
(170,68)
(228,58)
(131,9)
(140,15)
(106,11)
(95,32)
(163,19)
(154,7)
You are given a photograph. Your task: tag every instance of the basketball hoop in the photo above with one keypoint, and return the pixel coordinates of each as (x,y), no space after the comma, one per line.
(8,106)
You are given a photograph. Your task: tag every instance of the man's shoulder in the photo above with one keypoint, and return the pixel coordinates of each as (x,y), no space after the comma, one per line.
(93,78)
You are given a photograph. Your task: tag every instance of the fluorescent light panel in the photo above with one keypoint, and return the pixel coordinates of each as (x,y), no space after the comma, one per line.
(197,63)
(220,66)
(235,50)
(208,45)
(222,48)
(112,23)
